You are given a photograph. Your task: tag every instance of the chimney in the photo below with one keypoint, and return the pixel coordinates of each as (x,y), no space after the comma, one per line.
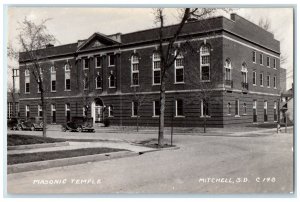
(233,16)
(49,45)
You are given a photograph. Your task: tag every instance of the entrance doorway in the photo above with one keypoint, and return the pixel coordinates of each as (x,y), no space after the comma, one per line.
(97,110)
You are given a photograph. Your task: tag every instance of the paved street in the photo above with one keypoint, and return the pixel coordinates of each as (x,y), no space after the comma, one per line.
(264,162)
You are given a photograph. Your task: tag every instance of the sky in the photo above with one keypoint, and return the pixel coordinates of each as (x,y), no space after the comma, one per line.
(69,24)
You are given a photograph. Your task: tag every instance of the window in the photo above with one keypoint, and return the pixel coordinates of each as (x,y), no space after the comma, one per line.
(134,107)
(254,111)
(111,60)
(67,78)
(67,67)
(228,70)
(85,63)
(261,60)
(254,57)
(53,113)
(86,83)
(244,72)
(179,69)
(265,111)
(268,81)
(237,107)
(53,86)
(134,70)
(268,61)
(156,68)
(274,63)
(204,63)
(9,109)
(204,108)
(40,111)
(229,108)
(254,78)
(261,79)
(98,82)
(53,79)
(27,73)
(53,70)
(112,81)
(68,112)
(27,111)
(245,108)
(27,81)
(156,108)
(84,111)
(98,62)
(110,111)
(274,82)
(275,111)
(179,107)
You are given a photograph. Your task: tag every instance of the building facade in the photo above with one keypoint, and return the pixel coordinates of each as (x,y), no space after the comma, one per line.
(118,77)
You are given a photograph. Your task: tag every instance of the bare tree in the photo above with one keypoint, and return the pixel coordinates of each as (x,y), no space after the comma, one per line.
(32,39)
(265,24)
(166,48)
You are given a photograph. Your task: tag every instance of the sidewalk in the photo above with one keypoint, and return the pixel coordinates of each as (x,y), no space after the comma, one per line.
(81,145)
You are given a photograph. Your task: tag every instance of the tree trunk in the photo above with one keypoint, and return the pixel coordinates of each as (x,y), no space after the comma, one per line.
(44,114)
(162,114)
(137,120)
(204,127)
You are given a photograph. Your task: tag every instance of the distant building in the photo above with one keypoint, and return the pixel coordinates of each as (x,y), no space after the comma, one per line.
(97,77)
(12,98)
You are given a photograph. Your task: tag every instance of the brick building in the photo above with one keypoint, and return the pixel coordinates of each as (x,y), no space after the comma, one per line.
(104,75)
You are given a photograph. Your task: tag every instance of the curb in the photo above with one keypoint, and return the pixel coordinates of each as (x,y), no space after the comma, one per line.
(35,146)
(40,165)
(154,150)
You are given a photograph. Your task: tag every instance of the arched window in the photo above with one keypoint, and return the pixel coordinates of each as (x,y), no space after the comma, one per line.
(98,82)
(112,81)
(135,70)
(179,68)
(205,63)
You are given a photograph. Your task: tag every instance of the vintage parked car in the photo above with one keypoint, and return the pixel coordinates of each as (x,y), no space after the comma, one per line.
(31,124)
(79,124)
(12,123)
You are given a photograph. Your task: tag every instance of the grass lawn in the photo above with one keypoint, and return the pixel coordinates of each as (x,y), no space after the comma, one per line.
(14,140)
(43,156)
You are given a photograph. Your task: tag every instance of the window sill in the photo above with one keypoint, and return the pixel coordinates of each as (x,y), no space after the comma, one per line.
(134,86)
(111,87)
(275,88)
(228,114)
(179,82)
(261,86)
(155,116)
(67,90)
(53,91)
(205,116)
(110,116)
(268,86)
(179,116)
(135,116)
(27,93)
(98,88)
(111,65)
(85,68)
(254,85)
(156,84)
(237,116)
(98,67)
